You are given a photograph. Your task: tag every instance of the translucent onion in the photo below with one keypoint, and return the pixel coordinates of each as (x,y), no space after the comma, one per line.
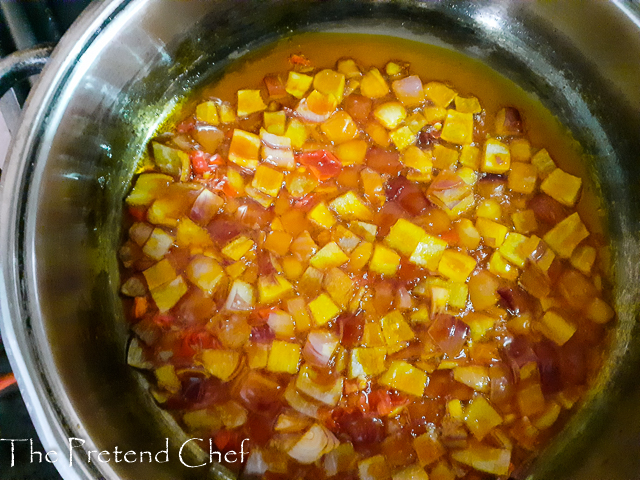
(241,298)
(298,402)
(206,206)
(275,141)
(320,347)
(282,158)
(255,463)
(313,444)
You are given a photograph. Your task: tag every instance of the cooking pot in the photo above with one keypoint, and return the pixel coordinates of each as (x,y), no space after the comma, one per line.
(116,76)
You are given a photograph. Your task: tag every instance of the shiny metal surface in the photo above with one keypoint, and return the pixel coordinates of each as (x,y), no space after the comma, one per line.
(118,73)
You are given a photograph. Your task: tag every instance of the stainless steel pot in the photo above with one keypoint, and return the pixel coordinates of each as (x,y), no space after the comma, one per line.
(116,75)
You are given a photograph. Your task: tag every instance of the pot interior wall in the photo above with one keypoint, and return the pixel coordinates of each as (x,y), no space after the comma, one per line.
(141,64)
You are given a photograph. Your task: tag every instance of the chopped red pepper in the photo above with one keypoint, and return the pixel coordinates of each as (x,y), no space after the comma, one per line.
(322,163)
(296,59)
(203,162)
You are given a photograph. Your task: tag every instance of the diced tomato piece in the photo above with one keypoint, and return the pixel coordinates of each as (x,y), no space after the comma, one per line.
(296,59)
(322,163)
(363,430)
(385,292)
(385,401)
(383,161)
(275,85)
(222,438)
(186,125)
(407,194)
(387,216)
(358,106)
(139,213)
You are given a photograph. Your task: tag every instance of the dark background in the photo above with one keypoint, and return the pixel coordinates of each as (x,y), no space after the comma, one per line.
(25,23)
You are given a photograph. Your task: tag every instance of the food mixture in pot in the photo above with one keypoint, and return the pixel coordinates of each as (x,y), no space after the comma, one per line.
(366,267)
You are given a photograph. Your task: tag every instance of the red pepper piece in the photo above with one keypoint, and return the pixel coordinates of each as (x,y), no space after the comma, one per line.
(203,162)
(322,163)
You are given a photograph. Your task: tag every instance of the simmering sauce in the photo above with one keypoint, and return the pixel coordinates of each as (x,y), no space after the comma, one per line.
(374,259)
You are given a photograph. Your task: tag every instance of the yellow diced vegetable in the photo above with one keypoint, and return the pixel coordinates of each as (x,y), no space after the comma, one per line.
(489,208)
(329,256)
(413,472)
(474,376)
(397,332)
(414,157)
(321,104)
(468,234)
(207,112)
(297,132)
(374,468)
(147,188)
(221,363)
(390,114)
(428,252)
(470,157)
(444,157)
(190,234)
(167,378)
(468,104)
(479,323)
(404,236)
(439,94)
(384,261)
(237,247)
(298,84)
(439,299)
(530,399)
(205,273)
(469,175)
(434,114)
(360,256)
(566,235)
(339,286)
(226,113)
(278,242)
(257,355)
(520,150)
(272,288)
(403,137)
(522,177)
(244,149)
(491,232)
(202,420)
(583,258)
(548,417)
(275,122)
(350,207)
(330,82)
(171,161)
(168,294)
(498,265)
(556,328)
(373,186)
(510,249)
(487,459)
(367,230)
(543,163)
(367,361)
(340,128)
(283,357)
(480,416)
(421,315)
(428,447)
(456,266)
(524,221)
(349,68)
(308,383)
(268,180)
(405,377)
(250,101)
(373,85)
(372,335)
(562,187)
(599,311)
(345,239)
(322,216)
(458,127)
(323,309)
(352,152)
(159,274)
(496,157)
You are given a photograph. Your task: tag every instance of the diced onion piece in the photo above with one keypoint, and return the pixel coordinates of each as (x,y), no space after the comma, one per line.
(275,141)
(320,347)
(409,90)
(255,463)
(310,382)
(241,297)
(206,206)
(133,287)
(313,444)
(291,422)
(282,158)
(140,232)
(282,324)
(299,402)
(136,356)
(340,459)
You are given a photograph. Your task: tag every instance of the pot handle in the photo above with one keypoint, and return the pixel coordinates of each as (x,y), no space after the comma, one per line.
(21,65)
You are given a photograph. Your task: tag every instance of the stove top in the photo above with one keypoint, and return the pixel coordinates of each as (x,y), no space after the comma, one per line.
(23,25)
